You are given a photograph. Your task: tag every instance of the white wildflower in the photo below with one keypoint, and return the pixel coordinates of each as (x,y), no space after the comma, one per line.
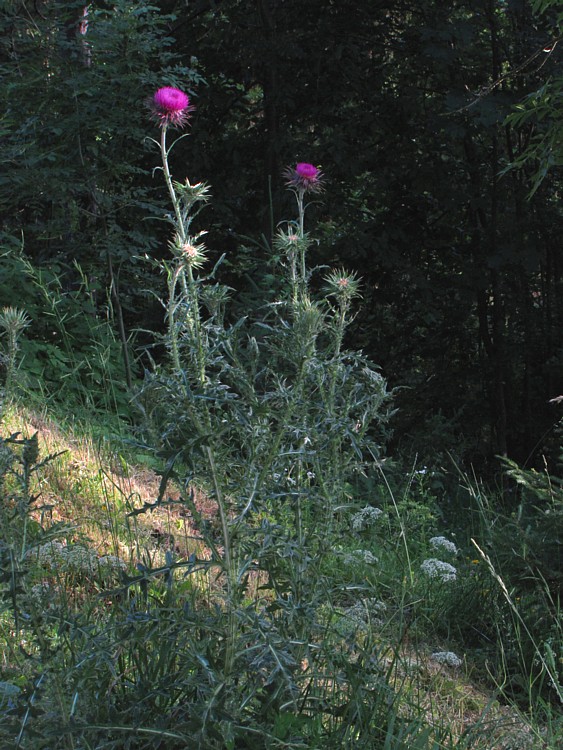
(48,555)
(365,517)
(368,557)
(41,590)
(366,611)
(79,559)
(360,555)
(440,542)
(448,658)
(438,569)
(44,594)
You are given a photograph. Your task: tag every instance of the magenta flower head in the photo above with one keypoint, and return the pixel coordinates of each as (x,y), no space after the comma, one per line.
(170,106)
(305,177)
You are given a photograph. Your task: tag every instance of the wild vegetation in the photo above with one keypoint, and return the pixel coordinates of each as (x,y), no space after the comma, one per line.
(243,501)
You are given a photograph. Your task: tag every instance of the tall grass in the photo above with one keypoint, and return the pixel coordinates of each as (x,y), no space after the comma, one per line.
(521,553)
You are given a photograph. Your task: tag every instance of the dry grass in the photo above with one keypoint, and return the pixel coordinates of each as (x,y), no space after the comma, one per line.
(91,489)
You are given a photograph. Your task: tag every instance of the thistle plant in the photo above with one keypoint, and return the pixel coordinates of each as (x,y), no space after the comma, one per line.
(12,322)
(271,417)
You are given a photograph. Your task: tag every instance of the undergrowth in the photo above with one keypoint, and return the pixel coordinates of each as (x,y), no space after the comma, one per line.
(113,626)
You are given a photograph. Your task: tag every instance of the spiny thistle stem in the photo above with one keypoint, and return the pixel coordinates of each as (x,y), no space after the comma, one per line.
(301,209)
(191,293)
(188,287)
(303,178)
(228,560)
(173,278)
(341,323)
(171,319)
(345,287)
(170,186)
(344,306)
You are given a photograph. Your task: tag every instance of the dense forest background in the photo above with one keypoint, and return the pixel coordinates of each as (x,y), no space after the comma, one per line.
(437,126)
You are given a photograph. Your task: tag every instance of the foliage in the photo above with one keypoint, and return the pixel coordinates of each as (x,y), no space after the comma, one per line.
(76,199)
(540,111)
(66,184)
(70,354)
(142,662)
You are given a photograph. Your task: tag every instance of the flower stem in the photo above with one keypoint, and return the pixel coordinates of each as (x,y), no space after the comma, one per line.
(301,208)
(189,293)
(170,186)
(189,288)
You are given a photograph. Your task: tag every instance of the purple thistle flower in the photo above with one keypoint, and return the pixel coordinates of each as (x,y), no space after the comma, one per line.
(304,177)
(170,106)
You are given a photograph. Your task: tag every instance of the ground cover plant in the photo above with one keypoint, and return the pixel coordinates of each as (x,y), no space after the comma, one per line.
(284,583)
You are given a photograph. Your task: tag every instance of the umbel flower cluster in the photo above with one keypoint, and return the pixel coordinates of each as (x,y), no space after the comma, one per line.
(76,559)
(439,570)
(441,543)
(448,658)
(365,517)
(360,556)
(366,611)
